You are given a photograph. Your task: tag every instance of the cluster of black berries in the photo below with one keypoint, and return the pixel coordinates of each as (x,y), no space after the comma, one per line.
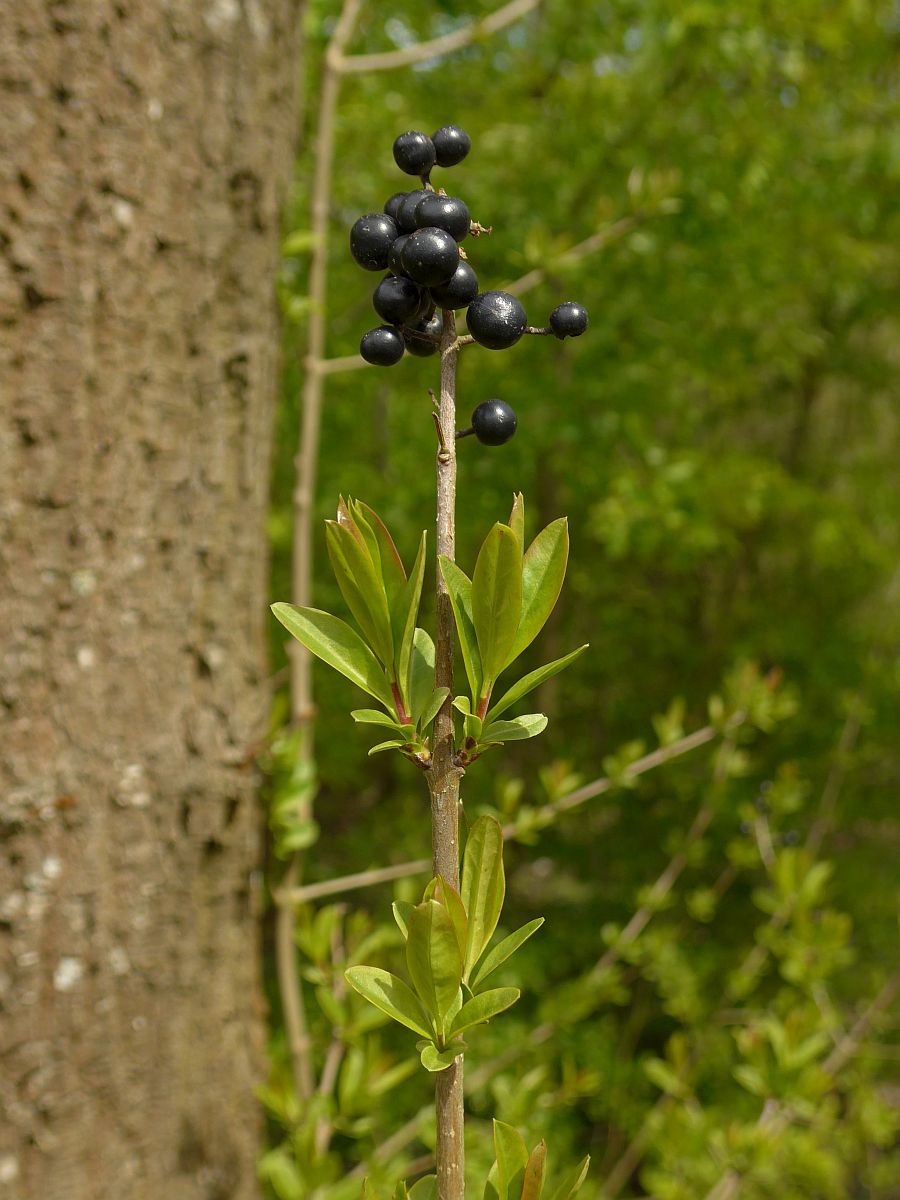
(416,239)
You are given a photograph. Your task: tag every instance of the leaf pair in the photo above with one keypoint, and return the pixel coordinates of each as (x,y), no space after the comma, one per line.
(498,614)
(446,936)
(519,1175)
(393,660)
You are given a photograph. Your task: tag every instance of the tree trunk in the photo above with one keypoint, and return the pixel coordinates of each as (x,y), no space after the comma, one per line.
(145,150)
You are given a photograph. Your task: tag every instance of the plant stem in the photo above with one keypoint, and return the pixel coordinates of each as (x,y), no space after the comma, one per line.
(444,776)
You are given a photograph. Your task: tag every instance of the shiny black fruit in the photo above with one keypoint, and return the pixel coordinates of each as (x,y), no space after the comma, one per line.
(398,300)
(494,422)
(496,320)
(569,319)
(459,291)
(430,256)
(443,212)
(382,346)
(414,153)
(451,145)
(371,239)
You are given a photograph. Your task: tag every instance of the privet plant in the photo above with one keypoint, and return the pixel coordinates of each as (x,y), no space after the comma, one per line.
(493,615)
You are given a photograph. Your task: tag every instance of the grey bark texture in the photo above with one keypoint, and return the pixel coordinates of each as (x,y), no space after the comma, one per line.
(144,152)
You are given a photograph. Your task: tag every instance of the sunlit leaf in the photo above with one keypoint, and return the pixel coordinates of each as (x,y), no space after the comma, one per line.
(403,620)
(392,570)
(483,885)
(433,959)
(482,1007)
(573,1181)
(519,729)
(497,599)
(543,572)
(361,586)
(433,1059)
(517,519)
(421,673)
(534,1173)
(512,1159)
(504,950)
(341,647)
(532,680)
(391,995)
(459,588)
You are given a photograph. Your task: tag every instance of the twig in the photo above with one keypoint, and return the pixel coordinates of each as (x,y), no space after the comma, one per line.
(444,776)
(596,241)
(425,51)
(335,1053)
(289,985)
(363,879)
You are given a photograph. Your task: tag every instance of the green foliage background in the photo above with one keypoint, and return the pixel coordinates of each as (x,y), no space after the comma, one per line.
(725,442)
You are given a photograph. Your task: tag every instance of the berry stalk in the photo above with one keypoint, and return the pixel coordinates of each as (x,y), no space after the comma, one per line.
(444,776)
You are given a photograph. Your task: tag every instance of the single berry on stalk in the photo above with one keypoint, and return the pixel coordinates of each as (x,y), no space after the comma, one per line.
(459,291)
(414,153)
(382,346)
(569,319)
(406,210)
(424,347)
(398,300)
(451,145)
(496,320)
(430,256)
(394,253)
(443,212)
(371,239)
(494,422)
(392,206)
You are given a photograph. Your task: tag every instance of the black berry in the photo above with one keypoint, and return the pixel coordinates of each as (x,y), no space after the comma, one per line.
(430,256)
(496,320)
(451,145)
(406,211)
(414,153)
(423,347)
(370,240)
(392,206)
(398,300)
(382,346)
(459,291)
(394,254)
(494,422)
(443,212)
(569,319)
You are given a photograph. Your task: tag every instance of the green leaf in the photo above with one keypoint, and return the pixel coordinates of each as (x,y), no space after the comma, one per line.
(543,572)
(403,621)
(402,909)
(431,709)
(368,1190)
(512,1159)
(433,959)
(439,1060)
(516,730)
(532,680)
(459,588)
(373,716)
(573,1181)
(451,900)
(497,600)
(400,1192)
(393,745)
(517,520)
(481,1008)
(492,1185)
(392,570)
(421,673)
(534,1173)
(362,588)
(483,885)
(462,705)
(341,647)
(391,995)
(504,950)
(424,1189)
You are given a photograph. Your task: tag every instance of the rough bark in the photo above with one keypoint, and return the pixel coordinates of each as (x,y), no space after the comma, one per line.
(145,151)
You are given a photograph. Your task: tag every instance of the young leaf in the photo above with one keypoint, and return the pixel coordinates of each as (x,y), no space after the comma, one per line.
(534,1173)
(481,1008)
(430,711)
(483,886)
(403,619)
(391,995)
(517,520)
(492,1185)
(400,1192)
(439,1060)
(341,647)
(421,673)
(497,600)
(424,1188)
(543,572)
(516,730)
(459,588)
(372,716)
(362,588)
(393,745)
(462,705)
(451,900)
(402,910)
(573,1181)
(392,571)
(368,1191)
(504,950)
(532,680)
(512,1159)
(433,959)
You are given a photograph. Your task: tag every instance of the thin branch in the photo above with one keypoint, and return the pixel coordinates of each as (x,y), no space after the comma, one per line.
(436,47)
(363,879)
(289,985)
(331,366)
(335,1053)
(597,241)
